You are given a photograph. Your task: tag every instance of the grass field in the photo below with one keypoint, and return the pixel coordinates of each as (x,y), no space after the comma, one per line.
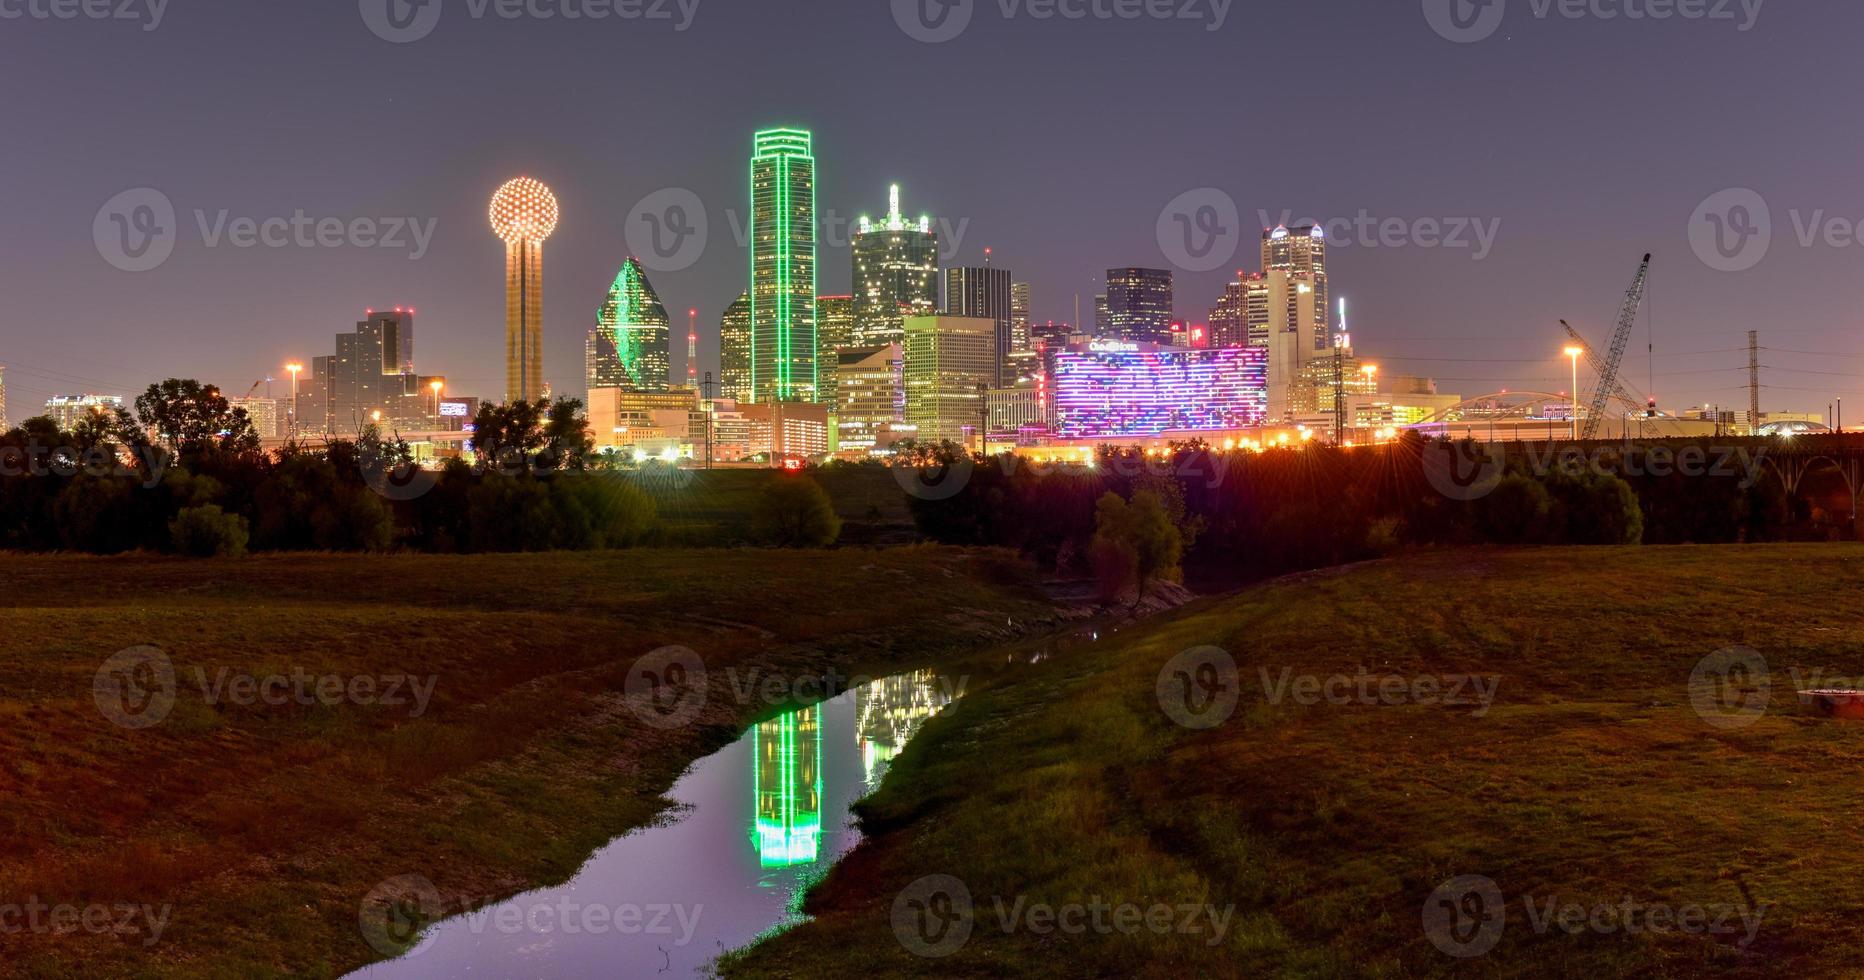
(1326,827)
(712,507)
(263,826)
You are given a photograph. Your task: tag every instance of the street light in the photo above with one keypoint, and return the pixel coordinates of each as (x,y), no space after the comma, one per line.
(1573,353)
(292,429)
(437,384)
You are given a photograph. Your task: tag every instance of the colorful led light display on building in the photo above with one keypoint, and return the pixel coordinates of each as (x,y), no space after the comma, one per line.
(787,771)
(1128,389)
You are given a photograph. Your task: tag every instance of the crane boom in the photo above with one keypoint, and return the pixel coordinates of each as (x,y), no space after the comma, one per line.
(1619,391)
(1608,376)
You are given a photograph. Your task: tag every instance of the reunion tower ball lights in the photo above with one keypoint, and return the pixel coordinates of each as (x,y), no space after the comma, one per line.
(524,210)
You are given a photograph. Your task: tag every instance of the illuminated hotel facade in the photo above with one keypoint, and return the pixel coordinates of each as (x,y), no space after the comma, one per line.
(524,213)
(783,267)
(1119,389)
(634,324)
(895,274)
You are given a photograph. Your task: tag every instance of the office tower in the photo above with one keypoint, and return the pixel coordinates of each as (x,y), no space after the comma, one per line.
(834,331)
(1019,318)
(783,267)
(734,350)
(371,374)
(601,362)
(524,214)
(633,317)
(263,413)
(1136,389)
(1241,317)
(1297,322)
(1139,305)
(871,396)
(984,292)
(950,362)
(1101,328)
(895,274)
(69,410)
(1302,251)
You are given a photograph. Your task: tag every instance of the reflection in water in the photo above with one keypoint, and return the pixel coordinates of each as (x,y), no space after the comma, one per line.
(796,776)
(786,768)
(889,712)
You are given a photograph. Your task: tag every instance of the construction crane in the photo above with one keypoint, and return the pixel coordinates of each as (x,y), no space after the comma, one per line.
(1608,373)
(1619,391)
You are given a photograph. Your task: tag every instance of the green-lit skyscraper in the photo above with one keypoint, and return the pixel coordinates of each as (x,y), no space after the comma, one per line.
(895,274)
(634,320)
(783,267)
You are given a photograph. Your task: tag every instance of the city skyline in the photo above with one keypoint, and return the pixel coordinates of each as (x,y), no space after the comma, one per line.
(1572,218)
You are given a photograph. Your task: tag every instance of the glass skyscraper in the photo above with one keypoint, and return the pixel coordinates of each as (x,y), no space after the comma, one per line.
(1139,305)
(1303,252)
(633,320)
(985,292)
(783,267)
(895,274)
(734,350)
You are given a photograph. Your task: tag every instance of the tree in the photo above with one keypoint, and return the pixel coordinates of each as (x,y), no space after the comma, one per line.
(208,532)
(194,420)
(795,512)
(505,436)
(1135,543)
(1515,512)
(567,442)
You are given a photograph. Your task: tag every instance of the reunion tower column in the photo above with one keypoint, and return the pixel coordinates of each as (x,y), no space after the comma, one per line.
(524,213)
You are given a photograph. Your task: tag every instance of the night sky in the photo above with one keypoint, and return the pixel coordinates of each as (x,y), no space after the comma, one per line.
(1590,140)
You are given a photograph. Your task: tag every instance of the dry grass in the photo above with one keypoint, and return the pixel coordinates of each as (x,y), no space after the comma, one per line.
(264,826)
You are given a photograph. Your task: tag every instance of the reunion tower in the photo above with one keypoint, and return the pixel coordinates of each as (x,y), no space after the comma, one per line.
(524,213)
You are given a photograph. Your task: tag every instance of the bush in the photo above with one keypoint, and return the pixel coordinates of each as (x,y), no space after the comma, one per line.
(1515,512)
(795,512)
(1135,542)
(208,532)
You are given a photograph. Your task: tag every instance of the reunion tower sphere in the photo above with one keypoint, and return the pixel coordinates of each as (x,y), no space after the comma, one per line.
(524,210)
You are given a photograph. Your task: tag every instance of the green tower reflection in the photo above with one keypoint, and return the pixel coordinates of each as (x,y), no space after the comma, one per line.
(787,769)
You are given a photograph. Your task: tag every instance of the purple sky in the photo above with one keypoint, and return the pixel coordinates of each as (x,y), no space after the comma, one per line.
(1057,143)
